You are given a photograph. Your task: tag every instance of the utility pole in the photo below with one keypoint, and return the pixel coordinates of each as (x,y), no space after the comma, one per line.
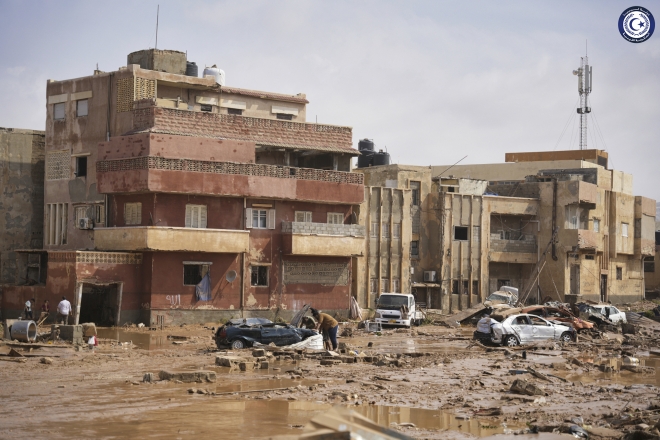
(584,74)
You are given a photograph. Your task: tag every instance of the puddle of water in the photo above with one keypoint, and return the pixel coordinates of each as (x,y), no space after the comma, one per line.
(619,376)
(144,341)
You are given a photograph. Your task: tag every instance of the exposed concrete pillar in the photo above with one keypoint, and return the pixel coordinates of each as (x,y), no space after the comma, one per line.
(78,300)
(120,289)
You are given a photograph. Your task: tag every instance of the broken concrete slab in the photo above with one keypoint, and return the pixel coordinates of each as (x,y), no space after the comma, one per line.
(521,386)
(188,376)
(228,361)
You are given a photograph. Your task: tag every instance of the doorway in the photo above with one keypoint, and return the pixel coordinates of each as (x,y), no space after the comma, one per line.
(603,288)
(99,304)
(575,279)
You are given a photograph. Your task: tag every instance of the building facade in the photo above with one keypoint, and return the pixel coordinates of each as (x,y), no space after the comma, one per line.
(170,198)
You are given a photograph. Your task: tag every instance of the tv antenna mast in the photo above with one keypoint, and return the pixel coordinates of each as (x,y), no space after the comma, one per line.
(584,74)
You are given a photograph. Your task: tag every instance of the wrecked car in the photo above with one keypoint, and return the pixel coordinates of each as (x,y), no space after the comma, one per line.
(588,311)
(611,313)
(559,315)
(506,295)
(242,333)
(526,329)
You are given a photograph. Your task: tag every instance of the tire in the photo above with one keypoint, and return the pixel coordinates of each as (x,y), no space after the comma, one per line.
(238,344)
(566,337)
(510,341)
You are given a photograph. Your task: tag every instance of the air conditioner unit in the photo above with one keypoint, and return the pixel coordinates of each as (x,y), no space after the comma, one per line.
(429,276)
(85,223)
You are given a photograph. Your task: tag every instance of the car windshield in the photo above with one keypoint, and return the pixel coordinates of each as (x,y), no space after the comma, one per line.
(498,297)
(392,302)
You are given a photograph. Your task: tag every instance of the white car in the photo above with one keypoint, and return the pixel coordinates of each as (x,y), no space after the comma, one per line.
(526,329)
(611,313)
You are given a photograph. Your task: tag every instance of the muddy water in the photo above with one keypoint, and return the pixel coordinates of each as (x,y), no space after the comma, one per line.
(619,376)
(144,341)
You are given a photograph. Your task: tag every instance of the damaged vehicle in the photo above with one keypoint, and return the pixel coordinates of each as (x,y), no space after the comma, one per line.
(397,309)
(590,312)
(559,315)
(242,333)
(506,295)
(525,329)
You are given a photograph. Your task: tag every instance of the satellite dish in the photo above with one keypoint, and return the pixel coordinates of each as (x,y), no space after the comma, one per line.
(231,276)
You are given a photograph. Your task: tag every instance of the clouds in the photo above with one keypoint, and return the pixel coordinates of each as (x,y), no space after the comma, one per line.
(431,81)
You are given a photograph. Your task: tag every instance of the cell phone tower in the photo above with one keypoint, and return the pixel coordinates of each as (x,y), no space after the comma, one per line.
(584,74)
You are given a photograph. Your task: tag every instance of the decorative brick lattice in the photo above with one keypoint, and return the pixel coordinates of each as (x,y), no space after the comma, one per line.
(323,229)
(125,94)
(62,257)
(58,165)
(331,274)
(108,258)
(246,169)
(144,88)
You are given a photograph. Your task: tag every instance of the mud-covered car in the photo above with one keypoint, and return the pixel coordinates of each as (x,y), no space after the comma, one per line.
(242,333)
(557,314)
(526,329)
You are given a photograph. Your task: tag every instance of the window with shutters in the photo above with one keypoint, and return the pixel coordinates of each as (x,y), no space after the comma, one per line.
(384,285)
(195,216)
(336,218)
(374,229)
(619,273)
(414,249)
(133,213)
(396,230)
(386,229)
(59,111)
(596,225)
(56,223)
(303,216)
(259,276)
(260,218)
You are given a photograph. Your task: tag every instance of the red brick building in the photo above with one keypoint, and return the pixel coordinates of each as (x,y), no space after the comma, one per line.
(170,198)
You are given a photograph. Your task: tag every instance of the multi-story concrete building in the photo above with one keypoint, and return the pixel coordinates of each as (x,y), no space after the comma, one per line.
(21,205)
(170,198)
(485,226)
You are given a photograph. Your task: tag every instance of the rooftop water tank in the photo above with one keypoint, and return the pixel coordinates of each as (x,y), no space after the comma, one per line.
(191,69)
(366,144)
(365,159)
(218,74)
(381,158)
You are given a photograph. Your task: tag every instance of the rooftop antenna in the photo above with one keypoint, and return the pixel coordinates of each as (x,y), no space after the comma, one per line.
(584,74)
(157,14)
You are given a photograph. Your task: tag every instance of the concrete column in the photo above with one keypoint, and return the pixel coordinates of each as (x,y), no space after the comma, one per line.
(78,300)
(120,289)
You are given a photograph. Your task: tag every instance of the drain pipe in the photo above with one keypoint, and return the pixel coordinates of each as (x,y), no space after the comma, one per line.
(554,217)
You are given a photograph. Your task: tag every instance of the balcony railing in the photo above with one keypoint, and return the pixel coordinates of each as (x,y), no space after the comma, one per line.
(526,245)
(246,169)
(323,229)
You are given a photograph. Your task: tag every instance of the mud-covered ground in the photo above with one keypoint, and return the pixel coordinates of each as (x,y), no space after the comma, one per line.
(429,382)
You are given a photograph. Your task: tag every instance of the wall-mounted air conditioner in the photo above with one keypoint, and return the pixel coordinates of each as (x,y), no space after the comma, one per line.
(429,276)
(85,223)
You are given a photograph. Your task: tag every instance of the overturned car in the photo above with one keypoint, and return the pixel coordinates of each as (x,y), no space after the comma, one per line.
(242,333)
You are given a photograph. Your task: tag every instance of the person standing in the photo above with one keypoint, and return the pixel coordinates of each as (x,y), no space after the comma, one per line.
(63,311)
(327,323)
(28,308)
(45,311)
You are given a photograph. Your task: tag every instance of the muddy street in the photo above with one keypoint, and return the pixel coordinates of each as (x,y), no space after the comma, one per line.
(428,382)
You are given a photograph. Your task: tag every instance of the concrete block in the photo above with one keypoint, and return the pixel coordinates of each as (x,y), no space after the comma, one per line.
(258,352)
(71,333)
(228,361)
(188,376)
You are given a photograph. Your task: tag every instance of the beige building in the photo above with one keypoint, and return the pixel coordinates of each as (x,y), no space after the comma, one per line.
(479,227)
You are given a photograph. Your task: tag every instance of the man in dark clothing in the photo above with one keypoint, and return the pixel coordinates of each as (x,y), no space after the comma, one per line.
(327,323)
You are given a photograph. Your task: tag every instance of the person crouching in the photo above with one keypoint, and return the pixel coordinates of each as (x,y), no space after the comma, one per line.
(483,332)
(327,323)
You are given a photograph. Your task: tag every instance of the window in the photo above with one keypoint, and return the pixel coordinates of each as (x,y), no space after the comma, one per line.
(260,218)
(259,276)
(414,249)
(414,186)
(373,285)
(194,272)
(624,229)
(384,285)
(596,225)
(59,111)
(99,215)
(56,223)
(303,216)
(234,111)
(81,107)
(454,287)
(206,108)
(374,229)
(336,218)
(396,230)
(196,216)
(133,213)
(386,229)
(649,265)
(619,273)
(460,233)
(466,287)
(396,285)
(81,166)
(475,287)
(589,257)
(284,116)
(572,216)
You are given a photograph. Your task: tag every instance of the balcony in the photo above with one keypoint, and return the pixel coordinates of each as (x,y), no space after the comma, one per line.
(581,193)
(323,239)
(522,251)
(185,176)
(581,239)
(161,238)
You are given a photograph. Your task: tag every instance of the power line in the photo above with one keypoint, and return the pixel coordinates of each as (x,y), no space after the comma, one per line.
(571,116)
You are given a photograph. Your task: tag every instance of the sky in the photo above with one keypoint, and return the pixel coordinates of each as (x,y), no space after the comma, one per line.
(428,81)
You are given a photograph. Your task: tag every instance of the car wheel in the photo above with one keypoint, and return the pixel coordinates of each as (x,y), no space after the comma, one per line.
(237,344)
(566,337)
(510,341)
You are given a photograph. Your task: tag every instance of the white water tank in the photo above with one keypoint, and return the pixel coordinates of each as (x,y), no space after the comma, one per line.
(218,74)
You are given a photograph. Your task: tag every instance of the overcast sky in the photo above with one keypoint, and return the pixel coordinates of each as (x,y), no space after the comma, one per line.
(430,81)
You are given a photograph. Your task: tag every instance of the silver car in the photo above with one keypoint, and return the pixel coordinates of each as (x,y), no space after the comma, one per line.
(526,329)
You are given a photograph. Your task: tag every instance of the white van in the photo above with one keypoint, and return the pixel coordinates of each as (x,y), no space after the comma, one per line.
(397,309)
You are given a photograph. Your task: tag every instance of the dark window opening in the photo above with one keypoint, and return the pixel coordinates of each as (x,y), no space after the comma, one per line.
(450,189)
(259,275)
(619,273)
(466,287)
(649,265)
(81,166)
(589,257)
(460,233)
(193,273)
(501,283)
(454,287)
(415,186)
(285,116)
(414,248)
(206,108)
(234,111)
(475,287)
